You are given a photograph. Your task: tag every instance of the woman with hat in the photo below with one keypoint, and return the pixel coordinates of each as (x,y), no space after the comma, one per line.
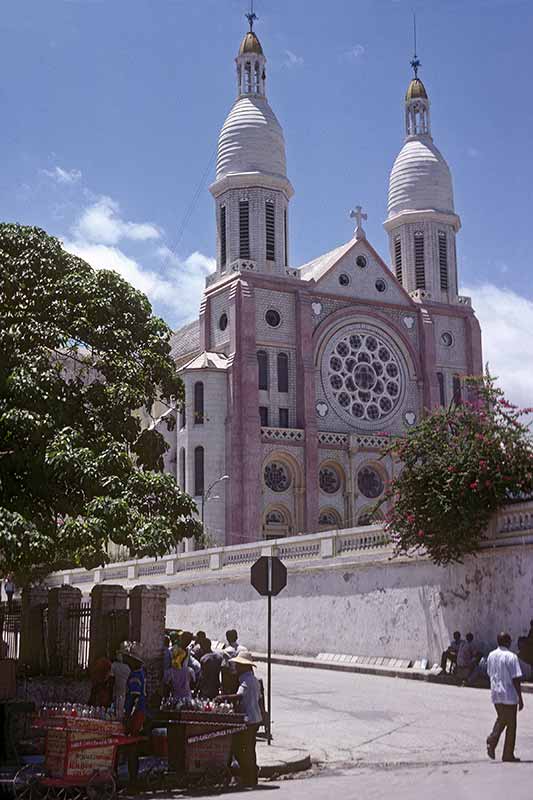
(248,695)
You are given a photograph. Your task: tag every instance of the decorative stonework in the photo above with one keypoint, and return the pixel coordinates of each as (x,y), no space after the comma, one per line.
(277,477)
(283,434)
(409,323)
(333,438)
(322,409)
(410,417)
(316,309)
(329,480)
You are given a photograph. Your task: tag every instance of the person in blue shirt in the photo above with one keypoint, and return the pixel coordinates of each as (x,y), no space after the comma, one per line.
(134,706)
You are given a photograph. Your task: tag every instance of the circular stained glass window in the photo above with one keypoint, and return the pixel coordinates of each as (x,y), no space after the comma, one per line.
(370,483)
(273,318)
(344,279)
(223,321)
(381,286)
(329,480)
(447,339)
(362,376)
(277,477)
(361,261)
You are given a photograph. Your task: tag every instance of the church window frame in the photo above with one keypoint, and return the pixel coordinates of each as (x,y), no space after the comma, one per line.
(329,519)
(283,421)
(272,318)
(330,478)
(457,390)
(278,476)
(270,230)
(223,321)
(277,522)
(183,416)
(263,416)
(244,229)
(361,261)
(443,260)
(398,266)
(344,280)
(381,285)
(262,370)
(420,260)
(223,239)
(442,388)
(368,515)
(446,339)
(183,469)
(370,481)
(199,402)
(199,471)
(283,373)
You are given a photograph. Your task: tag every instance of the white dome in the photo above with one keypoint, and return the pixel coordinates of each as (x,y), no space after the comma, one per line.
(420,179)
(251,140)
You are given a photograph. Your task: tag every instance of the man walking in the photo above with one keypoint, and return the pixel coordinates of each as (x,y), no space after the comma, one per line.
(504,672)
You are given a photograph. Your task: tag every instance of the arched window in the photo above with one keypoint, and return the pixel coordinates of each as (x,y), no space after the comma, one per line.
(329,519)
(182,473)
(443,260)
(277,523)
(398,258)
(283,372)
(420,261)
(198,471)
(223,239)
(262,365)
(199,403)
(367,516)
(442,391)
(457,393)
(182,415)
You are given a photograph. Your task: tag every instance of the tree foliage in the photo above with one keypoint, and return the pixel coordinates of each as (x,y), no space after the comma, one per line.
(458,466)
(80,355)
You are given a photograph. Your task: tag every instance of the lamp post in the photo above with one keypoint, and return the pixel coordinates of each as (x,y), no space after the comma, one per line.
(206,495)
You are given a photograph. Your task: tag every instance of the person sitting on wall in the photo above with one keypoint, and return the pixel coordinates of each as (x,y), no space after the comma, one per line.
(450,654)
(467,657)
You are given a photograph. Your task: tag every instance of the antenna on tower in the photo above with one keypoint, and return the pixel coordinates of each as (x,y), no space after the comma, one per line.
(251,16)
(415,63)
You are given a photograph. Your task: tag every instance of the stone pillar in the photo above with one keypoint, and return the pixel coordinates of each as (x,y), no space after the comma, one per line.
(148,607)
(306,416)
(63,630)
(33,646)
(105,599)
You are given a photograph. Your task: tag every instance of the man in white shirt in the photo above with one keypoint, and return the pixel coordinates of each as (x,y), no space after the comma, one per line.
(503,669)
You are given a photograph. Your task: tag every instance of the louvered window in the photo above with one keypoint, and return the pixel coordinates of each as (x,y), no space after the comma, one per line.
(244,229)
(398,258)
(223,240)
(199,403)
(283,372)
(286,236)
(198,471)
(442,392)
(443,259)
(420,270)
(270,224)
(262,367)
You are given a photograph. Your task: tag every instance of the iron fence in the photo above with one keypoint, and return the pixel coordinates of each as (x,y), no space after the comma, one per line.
(78,638)
(10,622)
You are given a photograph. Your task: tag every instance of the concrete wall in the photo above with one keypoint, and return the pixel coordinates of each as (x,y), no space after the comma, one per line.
(373,607)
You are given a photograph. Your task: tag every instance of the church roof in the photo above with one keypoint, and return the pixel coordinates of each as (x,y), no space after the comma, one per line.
(420,179)
(314,270)
(208,361)
(185,343)
(416,90)
(250,44)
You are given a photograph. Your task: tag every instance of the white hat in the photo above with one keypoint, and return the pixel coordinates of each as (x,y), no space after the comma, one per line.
(244,657)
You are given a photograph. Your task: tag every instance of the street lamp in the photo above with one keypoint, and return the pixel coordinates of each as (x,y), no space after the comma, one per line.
(206,495)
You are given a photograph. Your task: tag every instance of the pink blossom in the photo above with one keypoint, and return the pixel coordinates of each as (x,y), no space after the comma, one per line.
(474,485)
(421,534)
(410,518)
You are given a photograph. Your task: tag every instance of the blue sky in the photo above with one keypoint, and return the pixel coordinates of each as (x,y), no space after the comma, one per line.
(111,111)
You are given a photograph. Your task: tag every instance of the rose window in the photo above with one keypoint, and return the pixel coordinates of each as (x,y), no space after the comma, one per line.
(277,477)
(363,376)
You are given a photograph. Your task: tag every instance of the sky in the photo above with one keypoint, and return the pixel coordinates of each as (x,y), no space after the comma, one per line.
(111,111)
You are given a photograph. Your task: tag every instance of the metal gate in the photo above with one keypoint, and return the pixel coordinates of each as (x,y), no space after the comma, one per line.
(78,638)
(10,621)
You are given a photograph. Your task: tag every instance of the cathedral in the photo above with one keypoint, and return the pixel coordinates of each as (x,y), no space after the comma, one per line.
(297,376)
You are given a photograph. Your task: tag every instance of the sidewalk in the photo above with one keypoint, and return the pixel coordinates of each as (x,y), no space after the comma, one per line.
(280,758)
(356,665)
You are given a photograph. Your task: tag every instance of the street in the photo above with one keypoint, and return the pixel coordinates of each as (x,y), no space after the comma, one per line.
(384,737)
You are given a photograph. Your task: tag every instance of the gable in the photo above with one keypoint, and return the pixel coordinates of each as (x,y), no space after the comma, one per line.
(339,273)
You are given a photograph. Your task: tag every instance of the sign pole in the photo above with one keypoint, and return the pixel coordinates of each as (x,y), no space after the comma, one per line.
(269,668)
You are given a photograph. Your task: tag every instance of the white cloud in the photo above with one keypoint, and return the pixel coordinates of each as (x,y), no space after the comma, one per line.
(100,223)
(292,59)
(354,53)
(65,176)
(473,152)
(505,319)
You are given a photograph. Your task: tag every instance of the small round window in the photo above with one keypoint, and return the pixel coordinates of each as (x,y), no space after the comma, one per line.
(277,477)
(344,279)
(361,261)
(223,321)
(447,339)
(381,286)
(370,483)
(273,318)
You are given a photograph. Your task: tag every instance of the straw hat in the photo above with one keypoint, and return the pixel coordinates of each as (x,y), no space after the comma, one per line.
(244,657)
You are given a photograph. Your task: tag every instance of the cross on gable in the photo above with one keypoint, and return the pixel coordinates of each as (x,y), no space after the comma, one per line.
(359,216)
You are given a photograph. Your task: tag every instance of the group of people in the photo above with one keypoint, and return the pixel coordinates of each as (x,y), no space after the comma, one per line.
(222,674)
(464,659)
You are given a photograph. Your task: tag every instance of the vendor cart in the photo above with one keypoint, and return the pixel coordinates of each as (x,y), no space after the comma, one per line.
(80,761)
(199,745)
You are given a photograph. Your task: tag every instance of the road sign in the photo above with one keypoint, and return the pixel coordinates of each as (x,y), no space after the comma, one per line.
(269,575)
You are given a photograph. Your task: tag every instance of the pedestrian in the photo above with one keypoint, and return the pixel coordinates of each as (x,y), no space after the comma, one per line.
(232,646)
(466,658)
(504,672)
(248,697)
(178,677)
(135,705)
(9,589)
(450,654)
(209,681)
(120,672)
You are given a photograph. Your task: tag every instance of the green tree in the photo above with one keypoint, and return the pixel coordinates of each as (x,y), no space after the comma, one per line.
(458,466)
(80,355)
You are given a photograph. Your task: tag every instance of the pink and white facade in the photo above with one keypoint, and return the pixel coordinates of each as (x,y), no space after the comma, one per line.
(296,376)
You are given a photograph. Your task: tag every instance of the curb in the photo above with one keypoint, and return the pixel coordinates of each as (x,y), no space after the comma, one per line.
(409,673)
(285,767)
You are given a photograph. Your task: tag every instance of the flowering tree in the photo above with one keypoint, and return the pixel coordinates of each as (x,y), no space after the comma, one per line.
(459,466)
